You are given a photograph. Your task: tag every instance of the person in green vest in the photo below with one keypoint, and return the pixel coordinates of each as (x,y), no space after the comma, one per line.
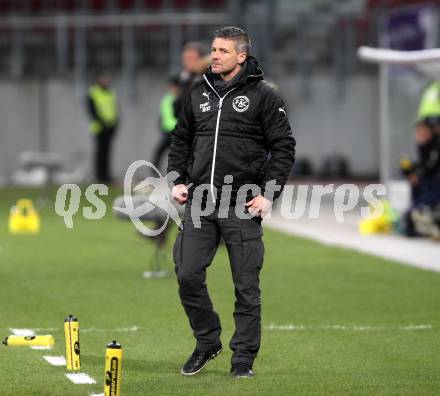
(167,119)
(429,107)
(103,111)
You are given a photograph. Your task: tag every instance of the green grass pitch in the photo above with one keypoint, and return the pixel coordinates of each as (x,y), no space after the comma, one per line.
(94,271)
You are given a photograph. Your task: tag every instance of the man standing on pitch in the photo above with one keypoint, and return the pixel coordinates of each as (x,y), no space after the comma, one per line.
(230,122)
(104,115)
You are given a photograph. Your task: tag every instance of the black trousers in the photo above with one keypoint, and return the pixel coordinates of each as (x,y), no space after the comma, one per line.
(194,251)
(103,141)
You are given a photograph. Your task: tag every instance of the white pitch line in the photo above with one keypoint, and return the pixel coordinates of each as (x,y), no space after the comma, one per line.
(93,329)
(415,327)
(41,348)
(96,394)
(80,378)
(47,329)
(293,327)
(117,330)
(55,360)
(23,332)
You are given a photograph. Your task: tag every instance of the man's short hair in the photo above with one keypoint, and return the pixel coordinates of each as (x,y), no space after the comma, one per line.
(195,46)
(239,36)
(98,73)
(432,122)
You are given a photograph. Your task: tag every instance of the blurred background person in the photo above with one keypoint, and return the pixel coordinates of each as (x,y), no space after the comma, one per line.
(429,107)
(167,118)
(103,111)
(194,63)
(424,174)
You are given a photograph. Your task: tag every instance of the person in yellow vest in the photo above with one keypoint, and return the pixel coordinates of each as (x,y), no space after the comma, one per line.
(429,107)
(103,111)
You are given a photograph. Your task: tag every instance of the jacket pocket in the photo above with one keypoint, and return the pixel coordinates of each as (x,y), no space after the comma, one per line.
(252,247)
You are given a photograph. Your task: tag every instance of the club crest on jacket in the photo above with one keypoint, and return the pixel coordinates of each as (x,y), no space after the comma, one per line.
(241,103)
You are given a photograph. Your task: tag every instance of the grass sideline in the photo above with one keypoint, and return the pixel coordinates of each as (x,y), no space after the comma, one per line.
(94,271)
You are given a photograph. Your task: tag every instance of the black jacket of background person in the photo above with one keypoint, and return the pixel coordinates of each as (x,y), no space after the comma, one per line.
(429,158)
(186,82)
(252,123)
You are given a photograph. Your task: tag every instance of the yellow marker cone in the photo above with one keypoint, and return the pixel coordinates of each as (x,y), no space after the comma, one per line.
(23,218)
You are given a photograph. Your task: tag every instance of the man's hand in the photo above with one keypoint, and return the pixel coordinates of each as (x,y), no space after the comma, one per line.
(180,193)
(259,206)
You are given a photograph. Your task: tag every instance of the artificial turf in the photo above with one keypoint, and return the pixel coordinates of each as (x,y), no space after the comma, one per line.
(353,315)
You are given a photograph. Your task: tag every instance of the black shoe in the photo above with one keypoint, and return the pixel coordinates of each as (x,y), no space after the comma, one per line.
(242,370)
(198,360)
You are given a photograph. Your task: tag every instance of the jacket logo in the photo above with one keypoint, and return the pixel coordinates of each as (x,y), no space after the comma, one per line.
(206,94)
(241,103)
(205,107)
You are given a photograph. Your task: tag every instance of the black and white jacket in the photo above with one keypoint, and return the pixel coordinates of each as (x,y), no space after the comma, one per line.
(241,131)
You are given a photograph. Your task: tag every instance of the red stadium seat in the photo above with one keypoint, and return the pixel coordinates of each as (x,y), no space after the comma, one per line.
(125,4)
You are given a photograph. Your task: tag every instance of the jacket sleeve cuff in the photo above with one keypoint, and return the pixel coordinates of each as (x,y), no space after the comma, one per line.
(271,191)
(179,180)
(174,178)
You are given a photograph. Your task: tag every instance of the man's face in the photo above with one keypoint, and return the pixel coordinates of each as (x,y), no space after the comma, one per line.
(191,60)
(105,80)
(224,56)
(423,134)
(175,89)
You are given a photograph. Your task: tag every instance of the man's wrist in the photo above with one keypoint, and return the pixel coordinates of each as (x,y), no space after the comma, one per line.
(270,189)
(179,180)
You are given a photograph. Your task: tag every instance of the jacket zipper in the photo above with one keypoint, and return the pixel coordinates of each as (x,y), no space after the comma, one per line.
(219,112)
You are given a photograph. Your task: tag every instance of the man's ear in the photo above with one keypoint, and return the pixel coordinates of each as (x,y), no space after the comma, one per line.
(242,57)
